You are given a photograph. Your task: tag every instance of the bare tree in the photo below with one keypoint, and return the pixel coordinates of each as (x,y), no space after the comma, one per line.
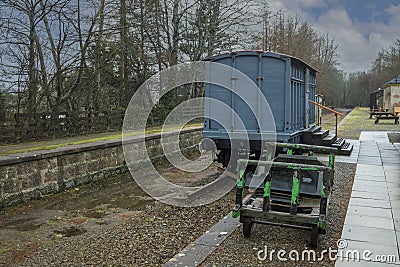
(291,36)
(19,23)
(50,36)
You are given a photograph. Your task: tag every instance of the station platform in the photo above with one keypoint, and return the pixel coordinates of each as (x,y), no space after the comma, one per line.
(371,232)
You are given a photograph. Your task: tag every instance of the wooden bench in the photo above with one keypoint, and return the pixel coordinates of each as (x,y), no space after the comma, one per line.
(388,116)
(375,112)
(396,119)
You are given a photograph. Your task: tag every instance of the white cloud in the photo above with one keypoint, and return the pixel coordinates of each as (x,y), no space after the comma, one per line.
(312,3)
(359,41)
(393,10)
(297,5)
(354,48)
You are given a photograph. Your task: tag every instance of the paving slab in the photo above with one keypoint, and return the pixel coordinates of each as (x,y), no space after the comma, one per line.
(366,135)
(365,169)
(371,157)
(387,144)
(392,189)
(388,152)
(368,145)
(369,178)
(392,174)
(397,225)
(369,153)
(392,168)
(370,211)
(395,204)
(374,203)
(364,234)
(380,137)
(374,155)
(367,251)
(390,158)
(372,189)
(394,198)
(370,161)
(369,221)
(370,195)
(396,215)
(392,177)
(374,184)
(391,163)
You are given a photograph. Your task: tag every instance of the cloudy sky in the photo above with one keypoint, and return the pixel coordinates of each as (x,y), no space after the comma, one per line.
(360,27)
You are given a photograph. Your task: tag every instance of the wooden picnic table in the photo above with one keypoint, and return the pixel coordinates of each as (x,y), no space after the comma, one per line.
(385,115)
(374,112)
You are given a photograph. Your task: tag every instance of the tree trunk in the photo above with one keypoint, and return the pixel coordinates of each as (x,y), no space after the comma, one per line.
(32,77)
(123,47)
(175,34)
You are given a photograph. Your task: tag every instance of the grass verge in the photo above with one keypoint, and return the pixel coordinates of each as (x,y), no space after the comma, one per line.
(358,121)
(30,147)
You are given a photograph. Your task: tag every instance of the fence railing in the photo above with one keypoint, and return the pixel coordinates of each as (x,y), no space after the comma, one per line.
(42,126)
(39,126)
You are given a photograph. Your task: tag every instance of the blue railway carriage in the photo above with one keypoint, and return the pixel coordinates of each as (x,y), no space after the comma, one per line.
(287,84)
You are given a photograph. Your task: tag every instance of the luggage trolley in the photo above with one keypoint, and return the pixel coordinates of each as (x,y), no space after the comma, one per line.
(294,192)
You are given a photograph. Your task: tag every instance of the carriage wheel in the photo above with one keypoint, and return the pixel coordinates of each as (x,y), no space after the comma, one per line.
(247,226)
(314,236)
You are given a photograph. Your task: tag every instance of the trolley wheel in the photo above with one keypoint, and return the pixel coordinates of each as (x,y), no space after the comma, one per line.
(247,226)
(314,236)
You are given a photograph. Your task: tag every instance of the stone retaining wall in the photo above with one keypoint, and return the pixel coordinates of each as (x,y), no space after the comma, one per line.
(32,175)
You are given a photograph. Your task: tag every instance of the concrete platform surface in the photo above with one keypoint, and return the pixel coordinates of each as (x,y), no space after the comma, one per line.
(371,232)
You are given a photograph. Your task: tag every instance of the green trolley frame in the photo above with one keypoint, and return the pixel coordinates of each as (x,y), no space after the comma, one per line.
(294,192)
